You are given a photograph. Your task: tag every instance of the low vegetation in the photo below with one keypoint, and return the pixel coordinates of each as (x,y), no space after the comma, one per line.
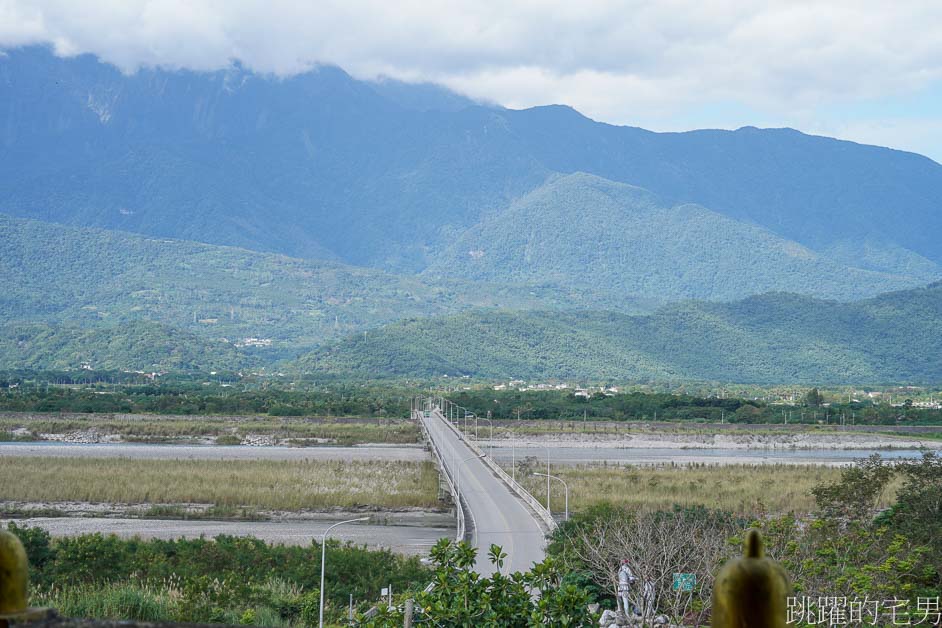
(231,394)
(462,597)
(565,412)
(746,489)
(257,484)
(225,430)
(229,580)
(226,394)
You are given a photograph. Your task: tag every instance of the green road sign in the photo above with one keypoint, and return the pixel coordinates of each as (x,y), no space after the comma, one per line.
(684,581)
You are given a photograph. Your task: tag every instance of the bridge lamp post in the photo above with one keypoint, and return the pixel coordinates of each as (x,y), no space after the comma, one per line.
(548,509)
(491,442)
(324,560)
(564,484)
(467,415)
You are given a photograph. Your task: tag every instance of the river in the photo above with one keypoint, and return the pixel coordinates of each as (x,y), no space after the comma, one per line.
(144,451)
(560,454)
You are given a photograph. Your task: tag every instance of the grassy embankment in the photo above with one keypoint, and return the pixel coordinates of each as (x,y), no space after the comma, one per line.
(226,430)
(577,429)
(745,489)
(257,484)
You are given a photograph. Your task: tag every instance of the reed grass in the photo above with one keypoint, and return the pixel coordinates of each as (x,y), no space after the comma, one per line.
(503,429)
(116,601)
(158,428)
(745,489)
(256,484)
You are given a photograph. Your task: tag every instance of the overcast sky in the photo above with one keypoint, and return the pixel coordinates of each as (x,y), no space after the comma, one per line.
(866,70)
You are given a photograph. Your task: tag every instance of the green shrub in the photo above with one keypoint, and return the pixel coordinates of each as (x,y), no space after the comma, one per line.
(224,580)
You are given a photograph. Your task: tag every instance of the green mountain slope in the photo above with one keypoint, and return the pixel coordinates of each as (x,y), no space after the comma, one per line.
(87,278)
(132,346)
(896,337)
(582,230)
(882,257)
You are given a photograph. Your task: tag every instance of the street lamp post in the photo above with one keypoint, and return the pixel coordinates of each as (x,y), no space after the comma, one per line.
(547,480)
(490,445)
(324,561)
(564,485)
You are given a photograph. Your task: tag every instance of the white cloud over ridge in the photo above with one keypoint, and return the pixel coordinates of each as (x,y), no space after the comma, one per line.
(639,62)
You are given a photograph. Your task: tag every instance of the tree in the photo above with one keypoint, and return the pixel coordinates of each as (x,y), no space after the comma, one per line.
(462,597)
(850,550)
(814,398)
(657,545)
(855,497)
(918,509)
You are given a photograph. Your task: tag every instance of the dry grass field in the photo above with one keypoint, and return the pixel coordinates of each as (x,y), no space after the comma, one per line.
(746,489)
(260,484)
(166,428)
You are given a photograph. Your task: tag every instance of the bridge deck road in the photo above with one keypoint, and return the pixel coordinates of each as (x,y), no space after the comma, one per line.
(496,514)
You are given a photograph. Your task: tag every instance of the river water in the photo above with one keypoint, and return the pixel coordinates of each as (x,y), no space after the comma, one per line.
(413,540)
(559,454)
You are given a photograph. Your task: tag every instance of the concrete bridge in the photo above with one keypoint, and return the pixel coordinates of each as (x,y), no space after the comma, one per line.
(493,508)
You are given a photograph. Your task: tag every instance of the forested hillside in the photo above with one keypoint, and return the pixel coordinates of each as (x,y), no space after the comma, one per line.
(773,338)
(111,299)
(140,345)
(582,230)
(89,278)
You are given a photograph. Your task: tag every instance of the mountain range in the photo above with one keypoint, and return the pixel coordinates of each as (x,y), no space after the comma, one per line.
(583,230)
(388,175)
(106,299)
(333,224)
(772,338)
(85,277)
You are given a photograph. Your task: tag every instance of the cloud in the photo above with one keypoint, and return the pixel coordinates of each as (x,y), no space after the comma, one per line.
(625,61)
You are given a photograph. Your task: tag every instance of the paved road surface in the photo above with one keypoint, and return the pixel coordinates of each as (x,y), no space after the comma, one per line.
(210,452)
(496,514)
(402,539)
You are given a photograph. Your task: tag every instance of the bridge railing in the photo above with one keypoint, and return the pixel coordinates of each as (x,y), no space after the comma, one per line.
(461,531)
(541,512)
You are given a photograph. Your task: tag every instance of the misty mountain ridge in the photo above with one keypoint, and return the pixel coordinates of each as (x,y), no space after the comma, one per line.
(402,177)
